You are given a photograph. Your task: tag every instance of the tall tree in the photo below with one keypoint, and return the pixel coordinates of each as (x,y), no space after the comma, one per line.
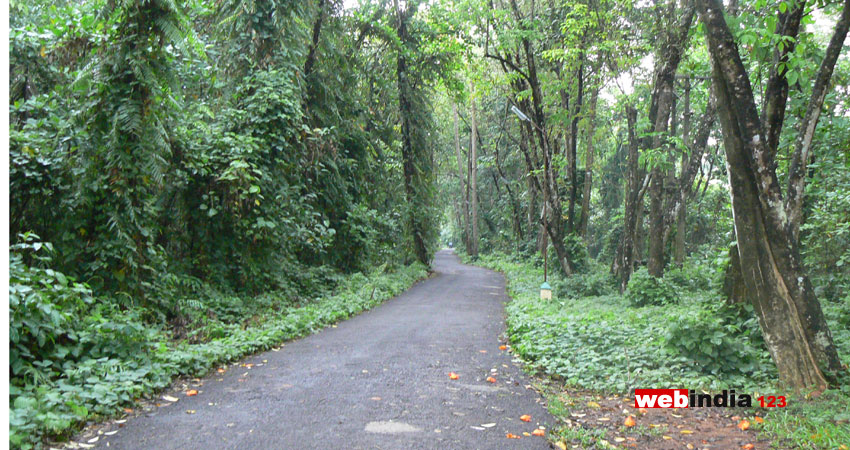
(790,316)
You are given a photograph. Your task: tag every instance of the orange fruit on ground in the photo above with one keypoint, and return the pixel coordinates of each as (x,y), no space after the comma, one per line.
(539,432)
(453,376)
(630,421)
(525,418)
(744,424)
(491,379)
(191,392)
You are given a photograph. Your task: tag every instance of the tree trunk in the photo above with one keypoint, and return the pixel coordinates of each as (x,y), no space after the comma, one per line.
(463,190)
(791,319)
(588,162)
(412,182)
(660,112)
(473,181)
(624,262)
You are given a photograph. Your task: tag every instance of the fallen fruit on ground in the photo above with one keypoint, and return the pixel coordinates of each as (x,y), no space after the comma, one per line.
(630,421)
(453,376)
(525,418)
(503,347)
(491,379)
(538,432)
(748,447)
(744,425)
(758,419)
(512,436)
(643,410)
(191,392)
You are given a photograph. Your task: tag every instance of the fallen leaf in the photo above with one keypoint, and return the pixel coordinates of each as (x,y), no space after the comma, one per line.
(191,392)
(643,410)
(477,428)
(491,379)
(758,419)
(676,415)
(666,438)
(220,370)
(619,439)
(121,421)
(593,405)
(561,445)
(375,399)
(190,411)
(686,432)
(512,436)
(488,425)
(94,439)
(453,376)
(748,447)
(110,433)
(170,398)
(736,417)
(85,445)
(482,351)
(128,410)
(525,433)
(579,415)
(744,425)
(603,419)
(539,432)
(525,418)
(690,446)
(503,347)
(630,421)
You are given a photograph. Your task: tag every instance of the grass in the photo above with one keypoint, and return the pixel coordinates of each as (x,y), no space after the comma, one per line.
(598,341)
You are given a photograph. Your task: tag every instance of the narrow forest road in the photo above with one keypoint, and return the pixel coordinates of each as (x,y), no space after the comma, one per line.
(378,380)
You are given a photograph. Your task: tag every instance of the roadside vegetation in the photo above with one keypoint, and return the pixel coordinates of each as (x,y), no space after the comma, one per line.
(591,338)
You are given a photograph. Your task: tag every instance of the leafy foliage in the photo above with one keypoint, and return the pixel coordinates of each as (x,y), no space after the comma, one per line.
(644,290)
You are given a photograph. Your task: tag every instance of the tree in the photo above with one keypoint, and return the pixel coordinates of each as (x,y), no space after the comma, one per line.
(790,316)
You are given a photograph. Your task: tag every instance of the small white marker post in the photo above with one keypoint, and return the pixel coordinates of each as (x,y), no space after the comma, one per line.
(545,291)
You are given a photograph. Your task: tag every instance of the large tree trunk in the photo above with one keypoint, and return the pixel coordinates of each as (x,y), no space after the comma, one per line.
(624,262)
(463,190)
(588,162)
(794,328)
(409,149)
(660,112)
(473,181)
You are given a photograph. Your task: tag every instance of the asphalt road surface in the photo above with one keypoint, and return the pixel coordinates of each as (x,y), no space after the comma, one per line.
(378,380)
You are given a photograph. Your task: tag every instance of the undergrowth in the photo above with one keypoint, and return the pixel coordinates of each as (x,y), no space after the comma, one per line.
(679,334)
(76,358)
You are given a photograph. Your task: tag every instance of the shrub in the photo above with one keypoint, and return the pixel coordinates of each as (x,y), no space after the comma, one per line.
(720,339)
(595,283)
(692,277)
(644,289)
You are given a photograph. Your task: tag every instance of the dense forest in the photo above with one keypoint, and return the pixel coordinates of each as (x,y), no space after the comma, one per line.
(194,181)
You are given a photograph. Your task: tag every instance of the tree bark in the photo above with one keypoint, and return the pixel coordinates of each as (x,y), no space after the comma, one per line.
(660,112)
(791,319)
(588,162)
(412,187)
(624,262)
(460,176)
(473,181)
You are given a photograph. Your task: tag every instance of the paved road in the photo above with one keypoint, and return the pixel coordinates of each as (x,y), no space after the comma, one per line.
(378,380)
